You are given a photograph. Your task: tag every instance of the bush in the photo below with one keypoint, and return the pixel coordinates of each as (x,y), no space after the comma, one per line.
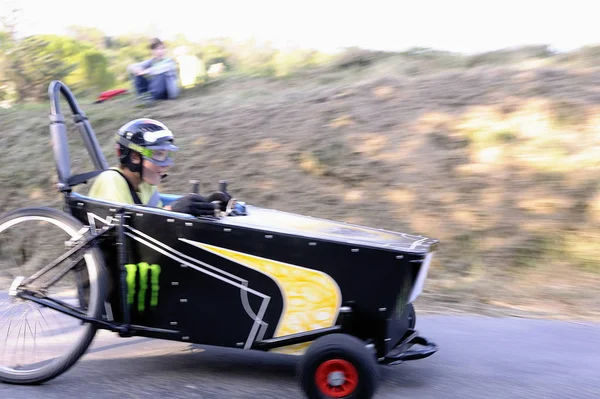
(95,70)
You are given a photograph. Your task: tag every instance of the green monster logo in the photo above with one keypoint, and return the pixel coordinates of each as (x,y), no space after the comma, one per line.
(143,268)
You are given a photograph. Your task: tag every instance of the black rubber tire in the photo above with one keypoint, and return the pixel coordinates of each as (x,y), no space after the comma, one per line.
(345,347)
(99,291)
(411,314)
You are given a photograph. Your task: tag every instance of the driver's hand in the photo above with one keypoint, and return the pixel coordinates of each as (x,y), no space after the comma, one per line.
(194,204)
(221,197)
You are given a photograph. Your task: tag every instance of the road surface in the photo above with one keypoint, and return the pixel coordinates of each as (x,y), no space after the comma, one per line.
(478,358)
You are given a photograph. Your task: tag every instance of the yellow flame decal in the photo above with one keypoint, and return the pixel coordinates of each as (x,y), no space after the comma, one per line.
(311,299)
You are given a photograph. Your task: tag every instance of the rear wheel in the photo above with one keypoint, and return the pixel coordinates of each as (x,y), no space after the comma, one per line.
(40,343)
(338,366)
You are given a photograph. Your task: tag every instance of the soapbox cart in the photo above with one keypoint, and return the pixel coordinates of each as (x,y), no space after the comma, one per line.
(339,295)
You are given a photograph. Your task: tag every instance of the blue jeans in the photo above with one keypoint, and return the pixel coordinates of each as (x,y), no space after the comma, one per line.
(155,85)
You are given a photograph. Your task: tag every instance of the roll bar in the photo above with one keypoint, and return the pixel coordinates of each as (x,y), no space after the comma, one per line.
(60,146)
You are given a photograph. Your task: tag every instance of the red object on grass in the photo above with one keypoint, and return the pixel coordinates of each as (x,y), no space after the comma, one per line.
(106,95)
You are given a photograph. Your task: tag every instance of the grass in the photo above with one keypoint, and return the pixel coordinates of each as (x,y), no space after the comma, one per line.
(502,172)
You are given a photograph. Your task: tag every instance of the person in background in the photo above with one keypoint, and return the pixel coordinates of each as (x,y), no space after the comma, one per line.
(190,66)
(156,78)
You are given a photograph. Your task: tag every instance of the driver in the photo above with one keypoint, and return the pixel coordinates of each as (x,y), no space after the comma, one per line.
(145,147)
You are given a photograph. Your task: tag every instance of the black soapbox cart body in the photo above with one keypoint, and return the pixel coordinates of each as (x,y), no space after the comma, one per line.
(339,295)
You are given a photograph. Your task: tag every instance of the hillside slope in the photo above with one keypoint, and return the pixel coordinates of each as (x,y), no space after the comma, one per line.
(500,164)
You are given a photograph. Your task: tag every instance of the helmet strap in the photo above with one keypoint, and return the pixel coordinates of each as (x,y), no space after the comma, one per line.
(138,168)
(125,158)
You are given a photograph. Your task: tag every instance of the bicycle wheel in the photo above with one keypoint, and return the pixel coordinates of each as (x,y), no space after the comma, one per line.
(39,343)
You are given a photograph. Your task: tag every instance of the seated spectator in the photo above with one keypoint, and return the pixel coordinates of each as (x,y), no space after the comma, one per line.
(156,78)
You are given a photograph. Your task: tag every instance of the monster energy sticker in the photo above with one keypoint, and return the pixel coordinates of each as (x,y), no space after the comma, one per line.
(144,269)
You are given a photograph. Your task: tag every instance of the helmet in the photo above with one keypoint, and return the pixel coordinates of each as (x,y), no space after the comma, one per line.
(148,137)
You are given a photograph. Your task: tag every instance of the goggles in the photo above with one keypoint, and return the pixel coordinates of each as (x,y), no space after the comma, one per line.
(161,155)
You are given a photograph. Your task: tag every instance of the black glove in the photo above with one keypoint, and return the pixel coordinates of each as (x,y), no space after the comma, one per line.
(194,204)
(221,197)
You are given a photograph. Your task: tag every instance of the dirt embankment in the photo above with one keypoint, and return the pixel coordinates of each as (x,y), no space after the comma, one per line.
(500,164)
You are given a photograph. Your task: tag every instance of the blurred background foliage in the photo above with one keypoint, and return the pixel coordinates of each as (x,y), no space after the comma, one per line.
(89,61)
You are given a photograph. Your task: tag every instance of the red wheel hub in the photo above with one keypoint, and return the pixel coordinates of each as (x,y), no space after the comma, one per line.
(336,378)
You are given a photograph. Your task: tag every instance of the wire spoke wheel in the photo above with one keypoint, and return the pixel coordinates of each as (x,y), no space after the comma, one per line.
(38,343)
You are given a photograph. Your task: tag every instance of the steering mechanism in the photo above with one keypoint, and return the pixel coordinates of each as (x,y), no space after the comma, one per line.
(227,205)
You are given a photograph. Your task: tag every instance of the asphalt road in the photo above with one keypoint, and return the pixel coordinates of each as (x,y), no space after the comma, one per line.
(478,358)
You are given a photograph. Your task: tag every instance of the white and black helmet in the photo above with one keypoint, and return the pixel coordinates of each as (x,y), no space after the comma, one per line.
(148,137)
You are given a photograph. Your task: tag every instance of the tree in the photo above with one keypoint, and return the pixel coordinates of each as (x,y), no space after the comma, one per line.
(213,53)
(95,70)
(90,35)
(30,66)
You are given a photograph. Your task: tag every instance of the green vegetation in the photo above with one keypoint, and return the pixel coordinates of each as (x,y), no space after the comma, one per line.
(89,61)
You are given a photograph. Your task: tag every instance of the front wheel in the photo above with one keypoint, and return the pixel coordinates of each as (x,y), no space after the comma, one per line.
(40,343)
(338,366)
